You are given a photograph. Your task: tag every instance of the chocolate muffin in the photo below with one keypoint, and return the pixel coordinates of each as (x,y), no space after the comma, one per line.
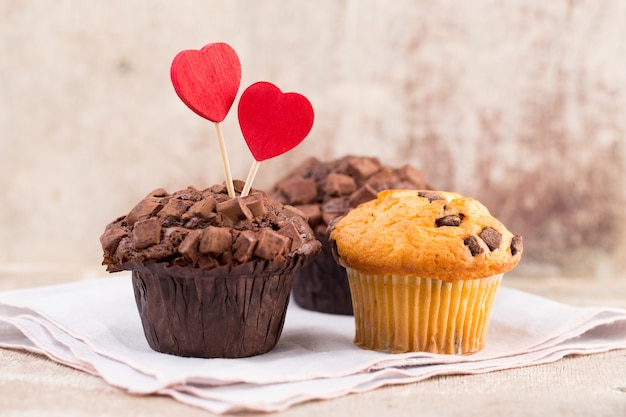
(211,275)
(325,191)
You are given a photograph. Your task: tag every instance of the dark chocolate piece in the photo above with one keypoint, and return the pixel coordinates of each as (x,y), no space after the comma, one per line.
(299,190)
(146,233)
(215,240)
(244,246)
(147,207)
(362,195)
(474,245)
(313,213)
(271,244)
(234,210)
(363,167)
(431,196)
(491,237)
(450,220)
(174,208)
(203,208)
(189,246)
(290,231)
(517,245)
(255,204)
(111,238)
(339,184)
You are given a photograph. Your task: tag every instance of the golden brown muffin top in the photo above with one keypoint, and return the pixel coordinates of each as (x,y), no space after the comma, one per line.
(432,234)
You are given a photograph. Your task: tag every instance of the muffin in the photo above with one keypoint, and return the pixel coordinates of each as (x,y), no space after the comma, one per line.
(211,275)
(325,190)
(424,268)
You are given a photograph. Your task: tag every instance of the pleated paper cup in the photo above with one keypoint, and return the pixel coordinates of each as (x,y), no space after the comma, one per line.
(405,313)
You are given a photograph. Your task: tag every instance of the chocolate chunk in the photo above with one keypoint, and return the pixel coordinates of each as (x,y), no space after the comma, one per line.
(146,233)
(271,244)
(159,192)
(339,184)
(291,231)
(431,196)
(234,209)
(299,190)
(244,246)
(383,180)
(313,212)
(363,167)
(189,246)
(517,245)
(413,175)
(333,208)
(255,204)
(491,237)
(362,195)
(203,208)
(111,238)
(473,244)
(451,220)
(215,240)
(147,207)
(293,213)
(174,208)
(188,193)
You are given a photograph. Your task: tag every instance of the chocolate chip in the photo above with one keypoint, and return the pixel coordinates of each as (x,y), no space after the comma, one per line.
(174,208)
(271,244)
(339,184)
(362,195)
(517,245)
(189,246)
(244,246)
(215,240)
(491,237)
(299,190)
(234,209)
(147,207)
(451,220)
(203,208)
(291,231)
(111,238)
(159,192)
(413,175)
(254,202)
(363,167)
(431,196)
(313,213)
(146,233)
(188,193)
(474,245)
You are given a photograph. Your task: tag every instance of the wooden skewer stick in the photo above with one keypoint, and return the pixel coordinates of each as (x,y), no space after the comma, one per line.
(227,174)
(250,179)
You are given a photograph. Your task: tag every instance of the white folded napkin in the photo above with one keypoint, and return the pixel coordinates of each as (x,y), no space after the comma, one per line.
(94,326)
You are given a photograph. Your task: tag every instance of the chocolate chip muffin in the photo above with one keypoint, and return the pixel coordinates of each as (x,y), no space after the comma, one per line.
(324,191)
(211,274)
(424,268)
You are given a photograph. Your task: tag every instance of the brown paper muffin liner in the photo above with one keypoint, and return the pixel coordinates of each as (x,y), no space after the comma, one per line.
(400,313)
(226,312)
(322,285)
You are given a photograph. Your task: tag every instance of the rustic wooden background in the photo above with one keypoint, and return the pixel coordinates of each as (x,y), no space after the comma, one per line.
(521,104)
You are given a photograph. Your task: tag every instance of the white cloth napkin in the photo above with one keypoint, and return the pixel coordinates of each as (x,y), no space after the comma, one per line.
(94,326)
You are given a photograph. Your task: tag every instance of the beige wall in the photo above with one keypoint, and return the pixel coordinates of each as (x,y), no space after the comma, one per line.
(519,103)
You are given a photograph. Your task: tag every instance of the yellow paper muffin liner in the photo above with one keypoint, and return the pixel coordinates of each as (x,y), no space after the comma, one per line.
(404,313)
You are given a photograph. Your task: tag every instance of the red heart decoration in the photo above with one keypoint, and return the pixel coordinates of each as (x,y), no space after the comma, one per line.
(207,80)
(273,122)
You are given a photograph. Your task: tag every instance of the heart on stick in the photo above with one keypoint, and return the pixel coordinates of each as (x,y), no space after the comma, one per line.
(273,122)
(207,80)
